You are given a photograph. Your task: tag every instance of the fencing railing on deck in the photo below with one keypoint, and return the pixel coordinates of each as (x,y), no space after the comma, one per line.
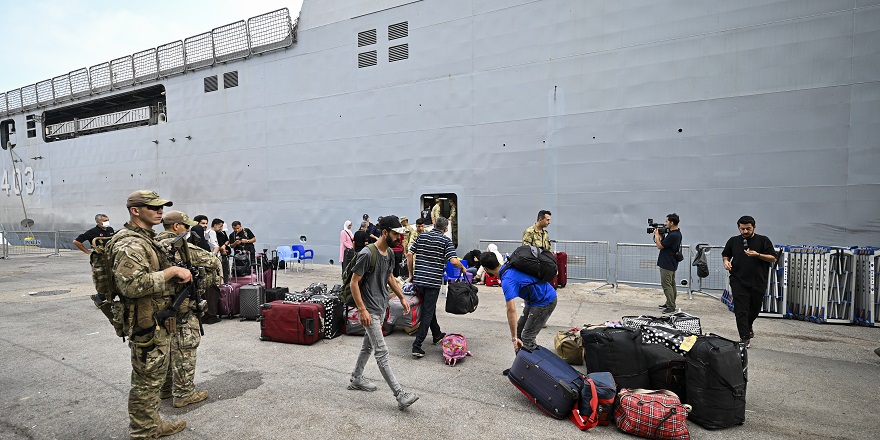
(242,39)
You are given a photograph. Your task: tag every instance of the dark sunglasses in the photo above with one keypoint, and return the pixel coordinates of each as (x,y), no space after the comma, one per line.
(153,208)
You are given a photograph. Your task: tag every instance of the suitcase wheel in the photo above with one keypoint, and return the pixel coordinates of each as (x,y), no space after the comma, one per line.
(265,338)
(561,284)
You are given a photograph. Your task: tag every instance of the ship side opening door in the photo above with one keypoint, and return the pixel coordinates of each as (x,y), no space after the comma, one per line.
(446,204)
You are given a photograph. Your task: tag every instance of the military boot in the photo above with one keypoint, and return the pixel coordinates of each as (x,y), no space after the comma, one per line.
(170,428)
(195,397)
(165,394)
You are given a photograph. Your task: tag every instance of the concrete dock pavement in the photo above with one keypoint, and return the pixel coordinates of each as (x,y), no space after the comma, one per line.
(65,375)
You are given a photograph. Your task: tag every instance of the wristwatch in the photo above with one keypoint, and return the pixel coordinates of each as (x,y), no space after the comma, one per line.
(513,339)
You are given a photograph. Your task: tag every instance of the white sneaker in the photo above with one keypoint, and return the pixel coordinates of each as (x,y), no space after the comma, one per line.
(405,399)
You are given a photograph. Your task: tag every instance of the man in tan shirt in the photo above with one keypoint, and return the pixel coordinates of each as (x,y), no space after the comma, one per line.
(536,235)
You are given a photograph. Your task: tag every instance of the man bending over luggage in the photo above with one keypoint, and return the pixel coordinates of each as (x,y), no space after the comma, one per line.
(369,288)
(540,298)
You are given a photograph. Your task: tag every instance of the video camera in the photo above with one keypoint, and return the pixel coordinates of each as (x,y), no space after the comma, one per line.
(661,228)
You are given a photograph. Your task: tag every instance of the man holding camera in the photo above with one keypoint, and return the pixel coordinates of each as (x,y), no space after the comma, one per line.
(748,257)
(670,247)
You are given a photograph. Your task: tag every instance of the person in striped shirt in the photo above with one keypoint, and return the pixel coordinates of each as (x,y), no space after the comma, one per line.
(433,250)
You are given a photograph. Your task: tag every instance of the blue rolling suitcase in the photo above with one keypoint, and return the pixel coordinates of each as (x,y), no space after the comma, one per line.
(547,380)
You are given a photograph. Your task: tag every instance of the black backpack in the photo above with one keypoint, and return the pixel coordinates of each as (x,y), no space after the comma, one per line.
(537,262)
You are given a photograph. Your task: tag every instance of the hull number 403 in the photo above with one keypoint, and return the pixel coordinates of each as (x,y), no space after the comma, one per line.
(19,181)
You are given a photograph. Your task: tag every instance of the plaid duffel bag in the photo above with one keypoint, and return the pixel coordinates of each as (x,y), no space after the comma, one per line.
(654,414)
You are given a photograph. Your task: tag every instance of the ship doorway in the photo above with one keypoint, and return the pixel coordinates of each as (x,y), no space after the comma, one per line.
(7,134)
(447,206)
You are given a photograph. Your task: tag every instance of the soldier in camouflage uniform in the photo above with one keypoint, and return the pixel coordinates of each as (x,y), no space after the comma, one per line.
(180,379)
(536,235)
(147,282)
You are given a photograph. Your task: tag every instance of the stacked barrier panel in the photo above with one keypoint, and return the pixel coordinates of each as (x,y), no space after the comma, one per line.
(271,31)
(231,42)
(171,58)
(774,303)
(146,65)
(838,294)
(866,302)
(61,86)
(199,51)
(45,94)
(80,84)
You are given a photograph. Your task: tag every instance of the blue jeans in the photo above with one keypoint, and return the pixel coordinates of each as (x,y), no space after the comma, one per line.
(373,340)
(531,322)
(429,295)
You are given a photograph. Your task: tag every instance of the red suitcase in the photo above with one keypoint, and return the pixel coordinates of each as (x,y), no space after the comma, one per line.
(228,305)
(292,322)
(562,273)
(491,280)
(244,279)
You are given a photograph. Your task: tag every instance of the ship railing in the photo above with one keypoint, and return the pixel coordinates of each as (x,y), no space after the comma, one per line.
(242,39)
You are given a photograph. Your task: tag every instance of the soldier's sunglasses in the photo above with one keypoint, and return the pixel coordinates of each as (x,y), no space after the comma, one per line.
(153,208)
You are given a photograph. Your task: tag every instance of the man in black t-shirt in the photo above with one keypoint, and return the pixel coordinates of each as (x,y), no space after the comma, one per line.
(360,237)
(197,233)
(748,258)
(242,239)
(103,229)
(669,245)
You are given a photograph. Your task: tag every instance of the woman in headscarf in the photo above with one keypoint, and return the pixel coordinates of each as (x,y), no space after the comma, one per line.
(481,271)
(346,244)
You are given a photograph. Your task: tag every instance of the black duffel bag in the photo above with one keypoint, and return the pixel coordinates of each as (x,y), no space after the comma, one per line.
(461,298)
(537,262)
(241,264)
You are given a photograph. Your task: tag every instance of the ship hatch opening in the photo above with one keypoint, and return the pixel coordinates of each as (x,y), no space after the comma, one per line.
(448,208)
(107,113)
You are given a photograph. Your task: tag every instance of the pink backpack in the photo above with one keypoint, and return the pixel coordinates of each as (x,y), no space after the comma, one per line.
(454,348)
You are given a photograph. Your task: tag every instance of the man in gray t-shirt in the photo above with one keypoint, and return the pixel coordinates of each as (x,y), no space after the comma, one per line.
(370,294)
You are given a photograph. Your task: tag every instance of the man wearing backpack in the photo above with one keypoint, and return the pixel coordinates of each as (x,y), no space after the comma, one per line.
(539,296)
(147,282)
(370,277)
(426,260)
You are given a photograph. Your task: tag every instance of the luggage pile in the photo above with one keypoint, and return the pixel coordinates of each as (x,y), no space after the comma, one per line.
(647,374)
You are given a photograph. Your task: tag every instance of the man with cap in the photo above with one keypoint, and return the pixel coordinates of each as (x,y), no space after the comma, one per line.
(369,289)
(426,259)
(179,381)
(147,282)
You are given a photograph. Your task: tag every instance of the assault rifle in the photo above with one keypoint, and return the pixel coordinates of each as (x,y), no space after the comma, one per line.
(190,291)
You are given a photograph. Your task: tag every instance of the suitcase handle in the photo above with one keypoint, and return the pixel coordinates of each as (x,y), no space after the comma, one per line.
(309,326)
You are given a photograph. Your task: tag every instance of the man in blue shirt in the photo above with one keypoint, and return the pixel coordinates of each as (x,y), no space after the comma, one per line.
(540,298)
(427,259)
(669,245)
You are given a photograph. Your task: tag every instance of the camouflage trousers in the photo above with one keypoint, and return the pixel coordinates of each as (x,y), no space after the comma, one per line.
(148,368)
(180,378)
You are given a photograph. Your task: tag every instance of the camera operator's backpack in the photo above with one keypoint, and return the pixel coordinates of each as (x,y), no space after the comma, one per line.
(537,262)
(345,294)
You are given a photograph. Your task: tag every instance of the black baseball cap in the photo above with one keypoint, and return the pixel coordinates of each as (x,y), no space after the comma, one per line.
(391,222)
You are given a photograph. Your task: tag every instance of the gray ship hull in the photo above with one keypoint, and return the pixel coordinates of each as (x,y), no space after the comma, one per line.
(603,112)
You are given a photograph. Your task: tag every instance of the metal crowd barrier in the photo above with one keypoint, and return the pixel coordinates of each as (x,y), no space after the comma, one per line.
(587,260)
(262,33)
(717,279)
(776,296)
(636,263)
(46,243)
